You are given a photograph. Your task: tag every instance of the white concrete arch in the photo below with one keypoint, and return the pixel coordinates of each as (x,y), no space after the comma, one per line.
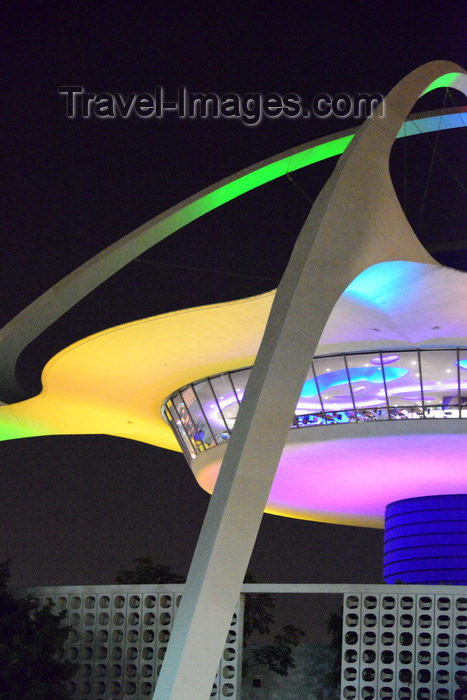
(355,223)
(16,335)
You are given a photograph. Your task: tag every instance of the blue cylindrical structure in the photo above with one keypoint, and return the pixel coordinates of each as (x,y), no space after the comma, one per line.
(425,540)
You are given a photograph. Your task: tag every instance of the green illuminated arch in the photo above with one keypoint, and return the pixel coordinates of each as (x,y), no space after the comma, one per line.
(16,335)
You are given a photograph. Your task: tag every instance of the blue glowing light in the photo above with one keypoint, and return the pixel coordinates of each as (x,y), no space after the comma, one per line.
(387,275)
(357,374)
(426,540)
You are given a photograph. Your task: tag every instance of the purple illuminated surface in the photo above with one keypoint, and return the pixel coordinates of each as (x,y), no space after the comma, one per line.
(351,480)
(347,472)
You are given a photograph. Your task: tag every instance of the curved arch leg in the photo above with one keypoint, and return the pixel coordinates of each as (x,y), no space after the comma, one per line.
(355,223)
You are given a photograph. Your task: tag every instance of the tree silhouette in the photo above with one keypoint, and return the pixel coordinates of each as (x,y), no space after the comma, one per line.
(334,628)
(258,617)
(31,648)
(147,571)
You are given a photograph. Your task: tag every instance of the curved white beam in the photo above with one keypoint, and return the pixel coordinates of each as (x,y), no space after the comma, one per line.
(356,222)
(16,335)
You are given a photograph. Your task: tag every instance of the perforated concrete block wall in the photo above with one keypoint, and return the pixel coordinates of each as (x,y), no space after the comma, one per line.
(404,647)
(120,635)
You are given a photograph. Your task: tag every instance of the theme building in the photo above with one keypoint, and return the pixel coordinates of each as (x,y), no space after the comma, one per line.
(355,399)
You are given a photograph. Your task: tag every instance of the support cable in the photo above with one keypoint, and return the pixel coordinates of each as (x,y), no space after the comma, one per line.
(427,184)
(290,178)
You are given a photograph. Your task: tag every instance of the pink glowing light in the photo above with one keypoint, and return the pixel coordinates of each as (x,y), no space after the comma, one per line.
(351,480)
(385,359)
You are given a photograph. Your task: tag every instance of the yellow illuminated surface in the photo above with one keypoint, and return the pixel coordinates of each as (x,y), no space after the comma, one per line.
(115,381)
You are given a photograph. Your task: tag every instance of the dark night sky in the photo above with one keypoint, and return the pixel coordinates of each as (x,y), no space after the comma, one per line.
(74,510)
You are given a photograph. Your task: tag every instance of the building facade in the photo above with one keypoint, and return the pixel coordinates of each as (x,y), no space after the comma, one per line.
(119,637)
(406,643)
